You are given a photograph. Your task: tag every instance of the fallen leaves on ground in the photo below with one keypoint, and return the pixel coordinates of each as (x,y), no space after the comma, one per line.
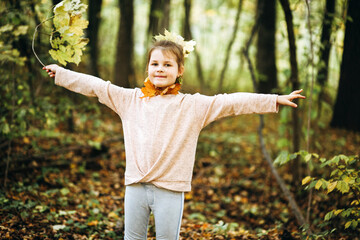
(234,194)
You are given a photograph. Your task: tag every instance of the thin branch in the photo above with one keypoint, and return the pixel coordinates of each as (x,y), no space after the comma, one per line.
(310,101)
(312,75)
(11,122)
(33,40)
(295,208)
(228,51)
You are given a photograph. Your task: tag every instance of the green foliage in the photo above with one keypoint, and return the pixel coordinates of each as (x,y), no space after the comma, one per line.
(14,92)
(10,32)
(67,41)
(224,228)
(342,175)
(31,108)
(285,157)
(18,207)
(345,179)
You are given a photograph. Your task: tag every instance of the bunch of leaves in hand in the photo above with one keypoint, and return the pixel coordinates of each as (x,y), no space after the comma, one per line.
(67,41)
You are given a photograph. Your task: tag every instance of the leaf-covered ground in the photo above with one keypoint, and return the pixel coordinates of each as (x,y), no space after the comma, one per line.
(77,192)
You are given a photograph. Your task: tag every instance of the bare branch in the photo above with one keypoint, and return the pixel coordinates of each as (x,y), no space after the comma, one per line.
(293,205)
(33,40)
(310,101)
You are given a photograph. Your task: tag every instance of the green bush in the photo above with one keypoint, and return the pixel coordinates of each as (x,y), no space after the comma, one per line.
(345,179)
(338,175)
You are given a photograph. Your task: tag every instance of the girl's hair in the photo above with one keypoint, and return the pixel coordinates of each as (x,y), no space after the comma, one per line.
(168,47)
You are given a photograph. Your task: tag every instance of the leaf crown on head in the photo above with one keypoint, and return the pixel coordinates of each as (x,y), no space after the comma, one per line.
(188,46)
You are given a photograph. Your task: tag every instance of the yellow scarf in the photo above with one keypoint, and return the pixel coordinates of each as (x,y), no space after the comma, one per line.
(151,91)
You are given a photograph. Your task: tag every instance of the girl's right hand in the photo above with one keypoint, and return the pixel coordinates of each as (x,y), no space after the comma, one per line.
(287,99)
(51,69)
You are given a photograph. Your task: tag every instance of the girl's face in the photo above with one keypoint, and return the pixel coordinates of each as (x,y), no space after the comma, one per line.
(163,68)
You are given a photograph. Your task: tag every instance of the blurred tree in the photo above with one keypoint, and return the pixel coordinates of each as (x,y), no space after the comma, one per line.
(265,55)
(231,42)
(92,31)
(187,27)
(56,2)
(23,44)
(188,36)
(124,69)
(294,79)
(347,109)
(16,89)
(159,17)
(324,53)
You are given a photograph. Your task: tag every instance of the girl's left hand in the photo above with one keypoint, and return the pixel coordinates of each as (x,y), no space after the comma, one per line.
(287,99)
(51,69)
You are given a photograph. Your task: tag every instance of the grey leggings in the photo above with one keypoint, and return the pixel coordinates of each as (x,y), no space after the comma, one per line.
(167,207)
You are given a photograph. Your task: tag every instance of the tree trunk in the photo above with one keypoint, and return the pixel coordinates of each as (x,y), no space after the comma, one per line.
(187,29)
(24,46)
(124,69)
(324,53)
(188,36)
(265,56)
(228,50)
(159,17)
(347,109)
(54,2)
(153,18)
(165,20)
(294,78)
(325,42)
(92,31)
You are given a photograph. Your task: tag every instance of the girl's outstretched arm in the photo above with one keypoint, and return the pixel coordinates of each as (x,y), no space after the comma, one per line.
(287,99)
(107,93)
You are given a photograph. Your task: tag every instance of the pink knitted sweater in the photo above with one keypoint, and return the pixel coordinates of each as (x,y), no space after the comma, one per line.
(161,132)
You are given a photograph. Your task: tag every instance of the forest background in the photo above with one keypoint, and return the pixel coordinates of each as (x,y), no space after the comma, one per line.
(62,155)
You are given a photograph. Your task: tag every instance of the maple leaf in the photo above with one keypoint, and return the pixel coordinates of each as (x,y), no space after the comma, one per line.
(61,20)
(77,55)
(58,56)
(67,41)
(56,42)
(175,89)
(149,90)
(77,25)
(82,42)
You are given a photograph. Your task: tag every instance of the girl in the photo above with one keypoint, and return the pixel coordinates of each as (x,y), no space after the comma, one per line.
(161,128)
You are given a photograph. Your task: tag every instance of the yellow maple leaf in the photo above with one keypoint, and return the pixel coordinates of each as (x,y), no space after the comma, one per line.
(77,25)
(113,215)
(26,140)
(93,223)
(149,90)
